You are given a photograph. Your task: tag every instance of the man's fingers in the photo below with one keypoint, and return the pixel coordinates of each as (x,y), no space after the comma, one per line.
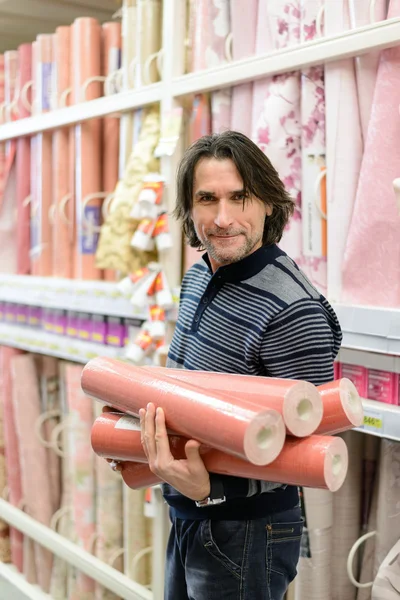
(192,451)
(149,433)
(163,448)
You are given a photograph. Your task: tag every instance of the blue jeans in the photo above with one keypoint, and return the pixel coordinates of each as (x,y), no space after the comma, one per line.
(233,560)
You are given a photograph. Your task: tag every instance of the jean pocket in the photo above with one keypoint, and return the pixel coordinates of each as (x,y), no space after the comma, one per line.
(226,541)
(283,548)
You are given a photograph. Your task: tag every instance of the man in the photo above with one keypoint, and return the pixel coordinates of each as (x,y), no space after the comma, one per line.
(245,308)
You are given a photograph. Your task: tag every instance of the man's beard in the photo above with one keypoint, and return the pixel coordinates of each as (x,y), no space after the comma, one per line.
(228,255)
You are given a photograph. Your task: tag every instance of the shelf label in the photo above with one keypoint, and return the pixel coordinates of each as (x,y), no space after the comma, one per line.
(373,421)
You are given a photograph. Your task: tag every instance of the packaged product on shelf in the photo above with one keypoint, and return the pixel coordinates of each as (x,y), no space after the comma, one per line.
(22,314)
(72,323)
(356,374)
(84,326)
(9,312)
(2,313)
(115,332)
(161,233)
(383,386)
(60,322)
(34,316)
(132,329)
(99,329)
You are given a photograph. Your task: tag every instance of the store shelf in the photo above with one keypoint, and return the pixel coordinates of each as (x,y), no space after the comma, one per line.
(349,43)
(95,297)
(13,585)
(382,420)
(377,36)
(110,578)
(78,113)
(60,346)
(370,329)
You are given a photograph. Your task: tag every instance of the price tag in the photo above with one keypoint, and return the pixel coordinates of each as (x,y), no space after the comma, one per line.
(373,421)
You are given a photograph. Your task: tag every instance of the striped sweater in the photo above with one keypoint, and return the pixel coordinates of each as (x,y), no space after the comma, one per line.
(259,316)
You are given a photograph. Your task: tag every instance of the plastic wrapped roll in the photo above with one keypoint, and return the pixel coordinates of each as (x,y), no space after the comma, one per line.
(111,42)
(86,46)
(41,230)
(299,402)
(240,428)
(23,159)
(317,461)
(342,407)
(62,179)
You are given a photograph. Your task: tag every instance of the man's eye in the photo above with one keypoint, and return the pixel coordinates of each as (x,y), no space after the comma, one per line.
(206,199)
(241,197)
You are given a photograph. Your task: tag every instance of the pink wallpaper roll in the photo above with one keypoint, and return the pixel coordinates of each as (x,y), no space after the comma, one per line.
(243,26)
(298,402)
(371,272)
(219,27)
(81,465)
(315,461)
(23,160)
(61,185)
(36,485)
(343,147)
(111,62)
(238,427)
(11,91)
(276,122)
(2,117)
(12,452)
(366,65)
(41,231)
(86,59)
(313,149)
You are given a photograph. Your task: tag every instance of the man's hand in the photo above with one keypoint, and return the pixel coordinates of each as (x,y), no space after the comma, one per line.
(189,476)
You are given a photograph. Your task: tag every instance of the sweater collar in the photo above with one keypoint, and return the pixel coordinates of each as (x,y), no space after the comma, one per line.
(247,267)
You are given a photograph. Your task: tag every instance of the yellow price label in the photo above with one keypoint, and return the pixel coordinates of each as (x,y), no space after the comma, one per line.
(374,422)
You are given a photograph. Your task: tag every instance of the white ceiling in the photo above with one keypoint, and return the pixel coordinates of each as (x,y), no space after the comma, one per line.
(22,20)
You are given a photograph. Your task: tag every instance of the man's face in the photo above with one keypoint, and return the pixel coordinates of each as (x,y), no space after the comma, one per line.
(228,228)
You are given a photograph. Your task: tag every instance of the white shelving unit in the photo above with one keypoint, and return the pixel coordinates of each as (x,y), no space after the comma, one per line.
(360,333)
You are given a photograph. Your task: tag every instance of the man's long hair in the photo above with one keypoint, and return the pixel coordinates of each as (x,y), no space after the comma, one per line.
(260,179)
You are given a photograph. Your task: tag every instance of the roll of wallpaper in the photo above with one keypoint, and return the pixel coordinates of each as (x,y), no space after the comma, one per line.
(276,122)
(346,518)
(2,119)
(316,461)
(388,513)
(240,428)
(82,472)
(148,36)
(342,406)
(371,273)
(47,367)
(86,59)
(243,27)
(5,545)
(111,62)
(200,119)
(313,174)
(219,27)
(109,534)
(41,231)
(298,402)
(23,160)
(135,534)
(62,178)
(36,484)
(366,65)
(129,13)
(12,450)
(62,572)
(343,147)
(314,571)
(10,88)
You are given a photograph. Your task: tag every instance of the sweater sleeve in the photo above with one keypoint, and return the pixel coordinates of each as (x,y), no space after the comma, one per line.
(301,343)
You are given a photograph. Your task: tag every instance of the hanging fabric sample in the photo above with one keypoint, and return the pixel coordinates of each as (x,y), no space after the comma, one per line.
(343,146)
(313,179)
(371,271)
(276,111)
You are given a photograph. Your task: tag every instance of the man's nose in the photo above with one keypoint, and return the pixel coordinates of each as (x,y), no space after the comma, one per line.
(223,218)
